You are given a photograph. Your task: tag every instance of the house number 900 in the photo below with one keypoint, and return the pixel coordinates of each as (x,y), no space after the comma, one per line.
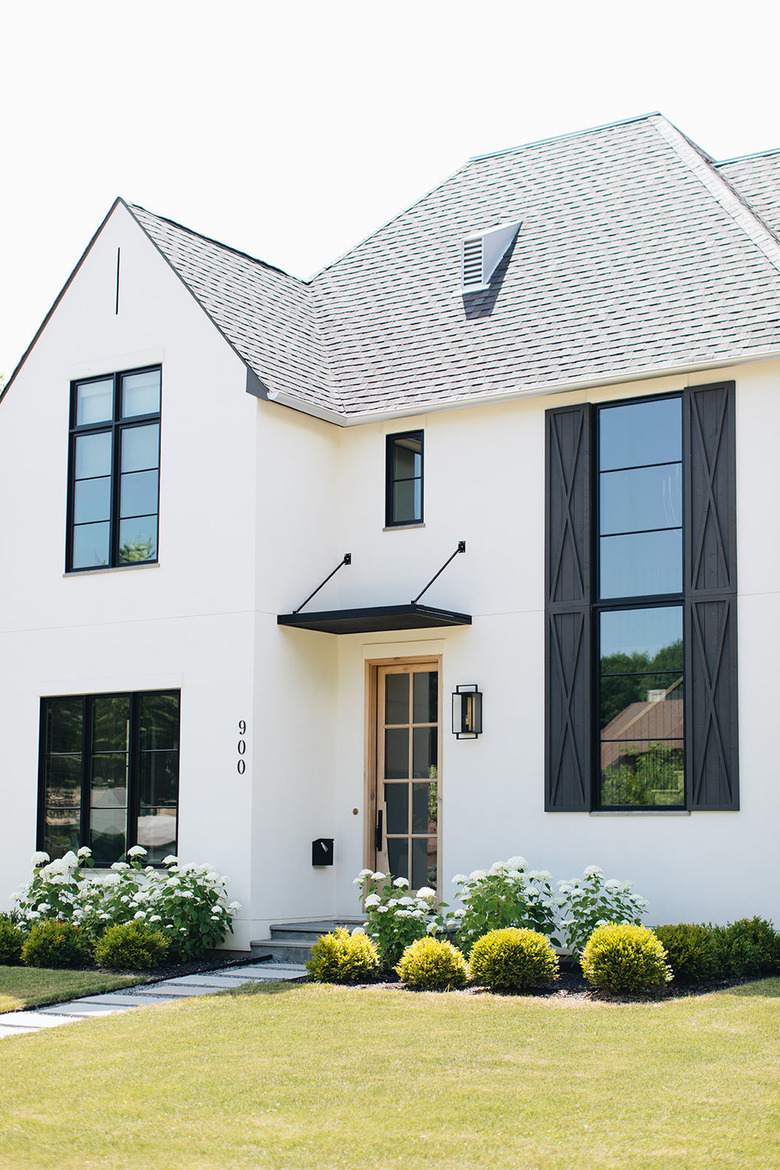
(241,747)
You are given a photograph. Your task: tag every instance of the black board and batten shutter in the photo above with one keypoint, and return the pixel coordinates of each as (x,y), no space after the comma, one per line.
(711,598)
(568,719)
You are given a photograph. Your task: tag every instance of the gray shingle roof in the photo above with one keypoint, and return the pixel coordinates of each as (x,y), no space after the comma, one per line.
(637,255)
(757,178)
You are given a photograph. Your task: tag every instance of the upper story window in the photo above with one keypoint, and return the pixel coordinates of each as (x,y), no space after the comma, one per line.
(404,499)
(113,488)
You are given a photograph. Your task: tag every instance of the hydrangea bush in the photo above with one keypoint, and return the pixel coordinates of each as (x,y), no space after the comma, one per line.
(394,917)
(506,895)
(592,900)
(188,903)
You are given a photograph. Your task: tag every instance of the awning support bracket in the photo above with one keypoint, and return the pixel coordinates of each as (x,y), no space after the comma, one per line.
(460,549)
(346,560)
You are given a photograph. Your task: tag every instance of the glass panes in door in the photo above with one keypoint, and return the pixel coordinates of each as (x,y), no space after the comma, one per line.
(408,737)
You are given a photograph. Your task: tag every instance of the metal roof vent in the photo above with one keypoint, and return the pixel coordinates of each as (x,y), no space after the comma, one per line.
(481,255)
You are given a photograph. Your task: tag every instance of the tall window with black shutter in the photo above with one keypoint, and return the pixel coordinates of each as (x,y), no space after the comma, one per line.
(641,604)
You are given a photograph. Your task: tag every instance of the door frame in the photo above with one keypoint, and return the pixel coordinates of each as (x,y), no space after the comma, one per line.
(370,720)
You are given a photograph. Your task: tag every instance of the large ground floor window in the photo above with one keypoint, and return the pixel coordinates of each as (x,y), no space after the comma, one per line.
(109,774)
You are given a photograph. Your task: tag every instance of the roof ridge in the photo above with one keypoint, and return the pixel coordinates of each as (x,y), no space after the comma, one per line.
(732,202)
(564,137)
(218,243)
(746,157)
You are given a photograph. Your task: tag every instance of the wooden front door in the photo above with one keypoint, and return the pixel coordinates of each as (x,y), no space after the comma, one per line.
(406,780)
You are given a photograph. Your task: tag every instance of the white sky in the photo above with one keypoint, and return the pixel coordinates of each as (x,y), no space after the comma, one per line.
(291,130)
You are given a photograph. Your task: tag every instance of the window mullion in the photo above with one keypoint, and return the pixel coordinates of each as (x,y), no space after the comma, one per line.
(86,771)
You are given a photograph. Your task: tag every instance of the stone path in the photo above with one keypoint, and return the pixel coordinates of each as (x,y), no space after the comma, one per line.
(167,990)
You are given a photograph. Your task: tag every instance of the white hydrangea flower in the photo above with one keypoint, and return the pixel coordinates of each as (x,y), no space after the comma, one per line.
(371,901)
(378,877)
(401,883)
(593,871)
(39,858)
(459,913)
(70,859)
(155,918)
(15,896)
(432,927)
(426,892)
(170,860)
(498,867)
(544,875)
(358,930)
(364,873)
(517,863)
(120,866)
(43,907)
(612,884)
(477,875)
(84,851)
(407,901)
(234,906)
(136,851)
(459,879)
(140,914)
(382,909)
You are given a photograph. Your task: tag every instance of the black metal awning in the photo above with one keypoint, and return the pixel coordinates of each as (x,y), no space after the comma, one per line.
(410,616)
(407,616)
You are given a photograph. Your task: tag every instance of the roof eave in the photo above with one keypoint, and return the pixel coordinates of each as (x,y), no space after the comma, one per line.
(482,398)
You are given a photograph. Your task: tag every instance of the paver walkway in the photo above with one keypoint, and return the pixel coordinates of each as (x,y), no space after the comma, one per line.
(167,990)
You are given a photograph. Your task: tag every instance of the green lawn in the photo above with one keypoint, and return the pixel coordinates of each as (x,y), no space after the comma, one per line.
(316,1076)
(22,987)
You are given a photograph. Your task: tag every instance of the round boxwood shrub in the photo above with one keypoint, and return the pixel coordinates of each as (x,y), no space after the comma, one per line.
(690,952)
(513,960)
(53,943)
(131,946)
(625,959)
(11,942)
(750,946)
(341,957)
(431,964)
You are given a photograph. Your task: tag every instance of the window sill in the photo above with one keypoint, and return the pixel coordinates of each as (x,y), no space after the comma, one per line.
(640,812)
(111,569)
(403,527)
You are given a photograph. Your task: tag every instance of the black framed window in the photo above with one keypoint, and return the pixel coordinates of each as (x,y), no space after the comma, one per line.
(109,774)
(641,604)
(639,612)
(114,470)
(404,494)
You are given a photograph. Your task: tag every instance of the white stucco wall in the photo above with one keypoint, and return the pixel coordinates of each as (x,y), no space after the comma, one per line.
(257,504)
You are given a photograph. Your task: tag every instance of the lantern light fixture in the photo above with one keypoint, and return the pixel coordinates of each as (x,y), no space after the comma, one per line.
(467,711)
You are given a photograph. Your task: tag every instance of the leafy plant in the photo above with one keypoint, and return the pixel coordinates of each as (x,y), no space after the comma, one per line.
(750,946)
(691,952)
(394,917)
(513,960)
(586,902)
(431,964)
(131,946)
(341,957)
(12,938)
(187,902)
(56,944)
(508,894)
(625,959)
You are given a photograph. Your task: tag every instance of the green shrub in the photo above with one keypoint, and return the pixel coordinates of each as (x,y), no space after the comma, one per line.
(506,895)
(513,960)
(691,952)
(394,917)
(11,942)
(52,943)
(341,957)
(627,959)
(430,964)
(131,946)
(746,948)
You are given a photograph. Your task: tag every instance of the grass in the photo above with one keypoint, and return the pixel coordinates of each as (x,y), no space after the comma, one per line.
(23,987)
(311,1076)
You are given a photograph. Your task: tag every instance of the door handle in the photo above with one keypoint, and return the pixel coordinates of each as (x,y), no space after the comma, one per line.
(378,833)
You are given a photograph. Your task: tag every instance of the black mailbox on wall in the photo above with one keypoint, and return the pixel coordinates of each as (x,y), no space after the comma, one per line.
(322,851)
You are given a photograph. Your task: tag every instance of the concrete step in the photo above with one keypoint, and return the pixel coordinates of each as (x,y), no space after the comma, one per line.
(291,942)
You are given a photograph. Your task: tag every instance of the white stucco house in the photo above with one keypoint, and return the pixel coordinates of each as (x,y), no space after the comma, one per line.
(565,361)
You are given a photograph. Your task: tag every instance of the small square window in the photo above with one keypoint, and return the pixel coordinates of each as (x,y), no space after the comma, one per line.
(404,498)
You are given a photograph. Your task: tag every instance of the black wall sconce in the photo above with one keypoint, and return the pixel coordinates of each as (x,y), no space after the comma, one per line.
(467,712)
